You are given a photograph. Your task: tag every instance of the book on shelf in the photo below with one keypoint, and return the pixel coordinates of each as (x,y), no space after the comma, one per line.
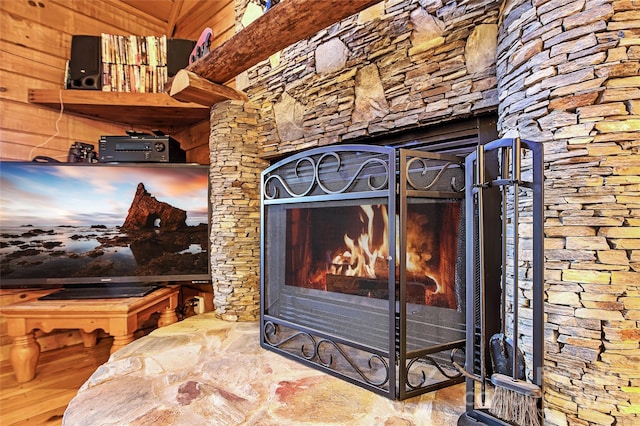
(136,64)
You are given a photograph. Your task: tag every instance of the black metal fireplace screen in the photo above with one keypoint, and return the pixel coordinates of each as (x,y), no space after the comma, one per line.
(363,268)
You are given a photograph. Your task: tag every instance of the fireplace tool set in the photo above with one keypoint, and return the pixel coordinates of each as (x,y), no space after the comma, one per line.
(493,175)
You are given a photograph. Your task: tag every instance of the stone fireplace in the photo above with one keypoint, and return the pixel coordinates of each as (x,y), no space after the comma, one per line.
(563,74)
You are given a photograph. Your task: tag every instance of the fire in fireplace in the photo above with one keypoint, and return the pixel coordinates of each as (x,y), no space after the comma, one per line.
(346,250)
(363,265)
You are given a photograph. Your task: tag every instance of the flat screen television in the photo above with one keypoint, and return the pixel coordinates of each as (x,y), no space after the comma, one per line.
(81,224)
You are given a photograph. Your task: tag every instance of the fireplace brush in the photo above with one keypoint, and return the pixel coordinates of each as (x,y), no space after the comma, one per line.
(514,399)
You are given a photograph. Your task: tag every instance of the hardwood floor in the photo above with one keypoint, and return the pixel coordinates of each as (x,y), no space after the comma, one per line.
(59,375)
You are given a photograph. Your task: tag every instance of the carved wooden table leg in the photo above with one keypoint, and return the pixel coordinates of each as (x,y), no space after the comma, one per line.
(24,356)
(167,317)
(120,342)
(89,340)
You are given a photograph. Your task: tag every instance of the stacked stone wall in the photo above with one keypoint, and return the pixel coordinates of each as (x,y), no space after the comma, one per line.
(235,169)
(568,77)
(394,66)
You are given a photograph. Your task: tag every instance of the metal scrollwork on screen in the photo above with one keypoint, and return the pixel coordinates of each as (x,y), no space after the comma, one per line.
(315,179)
(423,169)
(271,332)
(373,359)
(448,373)
(322,352)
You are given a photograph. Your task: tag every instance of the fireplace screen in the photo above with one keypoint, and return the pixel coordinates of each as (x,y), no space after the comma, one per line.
(362,265)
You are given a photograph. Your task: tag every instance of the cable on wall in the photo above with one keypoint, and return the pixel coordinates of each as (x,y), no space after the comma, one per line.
(57,125)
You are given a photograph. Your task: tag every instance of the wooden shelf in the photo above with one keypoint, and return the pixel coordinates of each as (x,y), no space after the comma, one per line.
(146,110)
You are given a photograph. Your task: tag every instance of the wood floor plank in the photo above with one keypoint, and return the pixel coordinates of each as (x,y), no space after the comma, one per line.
(59,375)
(51,367)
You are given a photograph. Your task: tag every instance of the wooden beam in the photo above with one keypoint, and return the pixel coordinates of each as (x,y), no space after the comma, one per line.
(189,87)
(284,24)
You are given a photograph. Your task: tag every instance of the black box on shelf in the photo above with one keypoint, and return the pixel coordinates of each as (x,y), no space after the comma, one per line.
(178,51)
(140,147)
(85,66)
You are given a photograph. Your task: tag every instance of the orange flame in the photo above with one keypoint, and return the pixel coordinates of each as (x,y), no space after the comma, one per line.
(360,257)
(367,256)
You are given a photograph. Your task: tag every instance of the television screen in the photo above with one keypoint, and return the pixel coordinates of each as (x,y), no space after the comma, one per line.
(80,223)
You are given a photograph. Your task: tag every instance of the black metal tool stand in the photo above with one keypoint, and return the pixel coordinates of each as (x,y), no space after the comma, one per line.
(487,174)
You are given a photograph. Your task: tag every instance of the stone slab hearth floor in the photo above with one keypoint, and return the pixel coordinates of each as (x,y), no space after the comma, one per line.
(205,371)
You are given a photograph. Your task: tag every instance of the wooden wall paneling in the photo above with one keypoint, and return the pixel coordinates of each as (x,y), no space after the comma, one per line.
(20,12)
(22,60)
(15,85)
(33,121)
(19,146)
(114,14)
(223,25)
(158,9)
(32,34)
(71,17)
(42,120)
(193,13)
(41,126)
(14,66)
(186,7)
(195,141)
(174,14)
(205,14)
(88,130)
(40,53)
(199,156)
(39,49)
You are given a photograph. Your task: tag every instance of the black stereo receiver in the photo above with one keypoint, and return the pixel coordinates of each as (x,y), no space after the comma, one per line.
(141,147)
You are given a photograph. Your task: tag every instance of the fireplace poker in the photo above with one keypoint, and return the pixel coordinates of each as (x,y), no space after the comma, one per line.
(480,183)
(515,400)
(504,192)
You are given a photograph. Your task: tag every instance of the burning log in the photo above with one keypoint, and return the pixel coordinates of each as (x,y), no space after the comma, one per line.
(419,293)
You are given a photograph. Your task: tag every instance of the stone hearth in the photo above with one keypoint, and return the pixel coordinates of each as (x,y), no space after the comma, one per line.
(205,371)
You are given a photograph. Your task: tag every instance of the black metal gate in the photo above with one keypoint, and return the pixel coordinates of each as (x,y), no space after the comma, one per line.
(363,270)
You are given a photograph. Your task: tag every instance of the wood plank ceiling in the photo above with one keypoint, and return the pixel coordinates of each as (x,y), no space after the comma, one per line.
(187,18)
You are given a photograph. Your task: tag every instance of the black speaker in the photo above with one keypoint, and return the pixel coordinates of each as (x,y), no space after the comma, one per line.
(85,68)
(178,51)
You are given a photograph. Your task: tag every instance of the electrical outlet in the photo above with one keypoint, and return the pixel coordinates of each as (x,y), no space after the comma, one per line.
(198,305)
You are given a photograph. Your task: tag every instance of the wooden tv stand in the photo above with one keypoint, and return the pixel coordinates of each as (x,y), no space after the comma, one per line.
(119,317)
